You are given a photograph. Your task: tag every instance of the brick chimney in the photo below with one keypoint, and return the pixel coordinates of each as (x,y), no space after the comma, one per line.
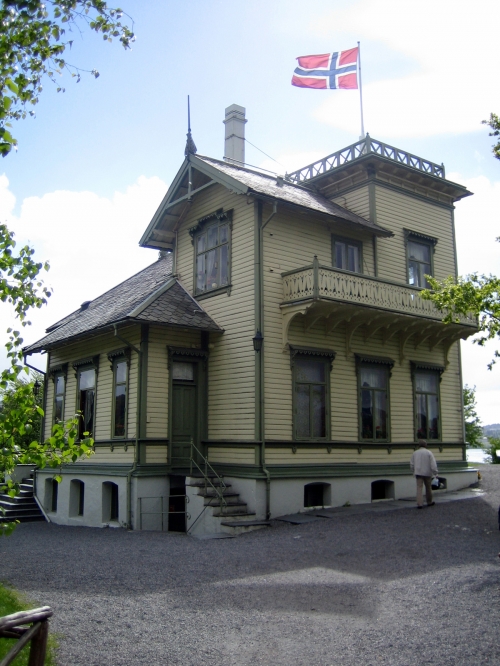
(234,144)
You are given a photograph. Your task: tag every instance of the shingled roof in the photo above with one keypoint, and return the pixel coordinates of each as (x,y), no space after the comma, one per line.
(151,296)
(290,193)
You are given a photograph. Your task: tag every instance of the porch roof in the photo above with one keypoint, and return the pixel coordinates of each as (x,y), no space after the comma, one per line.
(151,296)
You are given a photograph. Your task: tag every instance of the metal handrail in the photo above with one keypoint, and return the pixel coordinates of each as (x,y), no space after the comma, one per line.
(357,150)
(207,467)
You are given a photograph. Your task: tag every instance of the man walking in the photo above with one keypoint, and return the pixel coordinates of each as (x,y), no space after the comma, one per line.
(424,467)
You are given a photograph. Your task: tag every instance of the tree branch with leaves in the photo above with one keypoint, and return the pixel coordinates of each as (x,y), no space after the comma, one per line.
(34,37)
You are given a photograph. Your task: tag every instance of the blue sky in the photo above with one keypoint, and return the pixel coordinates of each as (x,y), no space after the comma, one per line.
(95,162)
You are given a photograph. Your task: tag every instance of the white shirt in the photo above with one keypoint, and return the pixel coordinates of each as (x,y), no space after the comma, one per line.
(423,463)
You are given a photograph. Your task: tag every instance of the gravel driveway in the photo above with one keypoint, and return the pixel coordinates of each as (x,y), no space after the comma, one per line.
(402,587)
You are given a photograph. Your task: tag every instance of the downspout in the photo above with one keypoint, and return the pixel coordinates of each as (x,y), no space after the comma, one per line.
(260,326)
(137,426)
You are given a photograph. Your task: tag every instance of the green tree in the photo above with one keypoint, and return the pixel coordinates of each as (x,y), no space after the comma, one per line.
(473,428)
(34,37)
(494,123)
(475,294)
(494,449)
(12,397)
(33,41)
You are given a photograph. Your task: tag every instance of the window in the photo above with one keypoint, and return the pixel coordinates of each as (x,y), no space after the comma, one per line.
(212,249)
(59,392)
(373,378)
(347,254)
(311,391)
(86,400)
(420,251)
(120,367)
(426,390)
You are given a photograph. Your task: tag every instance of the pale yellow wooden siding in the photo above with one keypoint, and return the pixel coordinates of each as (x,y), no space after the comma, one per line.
(358,201)
(231,367)
(104,455)
(101,345)
(156,454)
(397,211)
(236,456)
(160,338)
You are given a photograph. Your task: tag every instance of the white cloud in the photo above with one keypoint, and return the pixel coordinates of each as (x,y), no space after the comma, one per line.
(291,161)
(448,49)
(90,241)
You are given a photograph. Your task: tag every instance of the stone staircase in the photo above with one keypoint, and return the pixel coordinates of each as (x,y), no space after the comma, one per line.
(23,507)
(208,516)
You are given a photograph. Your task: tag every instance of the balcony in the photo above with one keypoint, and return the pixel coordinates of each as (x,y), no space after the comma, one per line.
(336,296)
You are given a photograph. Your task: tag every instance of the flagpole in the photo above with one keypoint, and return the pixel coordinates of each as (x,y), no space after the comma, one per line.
(360,93)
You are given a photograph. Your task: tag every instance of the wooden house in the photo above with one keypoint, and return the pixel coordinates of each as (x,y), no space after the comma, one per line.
(277,356)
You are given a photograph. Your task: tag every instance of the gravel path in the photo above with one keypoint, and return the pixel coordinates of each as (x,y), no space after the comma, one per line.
(401,588)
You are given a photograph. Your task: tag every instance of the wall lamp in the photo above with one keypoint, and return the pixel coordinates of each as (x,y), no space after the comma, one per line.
(258,340)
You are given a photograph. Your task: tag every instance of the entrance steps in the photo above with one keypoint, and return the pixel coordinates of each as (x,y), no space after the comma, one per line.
(208,515)
(23,507)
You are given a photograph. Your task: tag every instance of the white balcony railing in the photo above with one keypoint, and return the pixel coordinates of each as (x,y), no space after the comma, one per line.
(316,282)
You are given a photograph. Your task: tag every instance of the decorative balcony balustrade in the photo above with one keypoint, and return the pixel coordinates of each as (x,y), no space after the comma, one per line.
(316,282)
(360,149)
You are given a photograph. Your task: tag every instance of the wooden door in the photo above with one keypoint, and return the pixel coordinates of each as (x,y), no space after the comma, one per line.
(184,413)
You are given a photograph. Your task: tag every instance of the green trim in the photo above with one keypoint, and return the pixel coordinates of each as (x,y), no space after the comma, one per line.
(415,237)
(142,393)
(350,241)
(257,213)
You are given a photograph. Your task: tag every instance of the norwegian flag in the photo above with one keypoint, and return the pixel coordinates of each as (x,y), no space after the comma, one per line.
(330,70)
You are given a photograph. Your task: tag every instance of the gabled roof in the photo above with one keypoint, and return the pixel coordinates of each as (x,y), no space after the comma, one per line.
(199,172)
(151,296)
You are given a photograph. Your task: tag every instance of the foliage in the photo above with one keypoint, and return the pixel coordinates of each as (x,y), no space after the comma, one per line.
(494,123)
(494,447)
(474,294)
(21,287)
(473,428)
(10,603)
(33,42)
(13,396)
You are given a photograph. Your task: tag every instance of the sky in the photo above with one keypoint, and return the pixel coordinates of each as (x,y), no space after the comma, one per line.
(95,162)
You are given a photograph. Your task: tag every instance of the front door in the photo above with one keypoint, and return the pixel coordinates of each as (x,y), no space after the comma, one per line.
(184,412)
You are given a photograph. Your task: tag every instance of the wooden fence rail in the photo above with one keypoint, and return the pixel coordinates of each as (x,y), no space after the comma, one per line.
(15,626)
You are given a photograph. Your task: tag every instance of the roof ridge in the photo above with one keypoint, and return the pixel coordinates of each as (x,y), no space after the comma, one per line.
(168,284)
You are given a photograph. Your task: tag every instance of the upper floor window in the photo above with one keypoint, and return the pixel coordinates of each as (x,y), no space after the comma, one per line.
(120,397)
(86,377)
(373,378)
(426,392)
(420,250)
(347,254)
(311,391)
(212,240)
(59,393)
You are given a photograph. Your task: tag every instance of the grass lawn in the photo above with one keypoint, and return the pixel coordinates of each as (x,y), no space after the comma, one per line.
(10,603)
